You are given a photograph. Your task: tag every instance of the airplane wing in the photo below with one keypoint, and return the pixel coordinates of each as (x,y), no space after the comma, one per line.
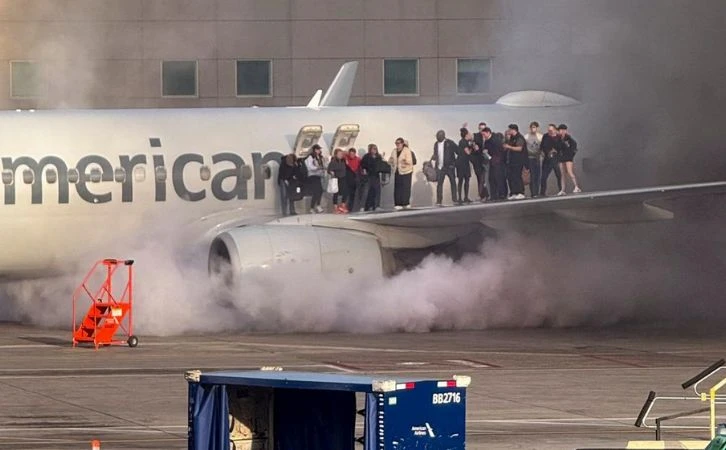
(588,209)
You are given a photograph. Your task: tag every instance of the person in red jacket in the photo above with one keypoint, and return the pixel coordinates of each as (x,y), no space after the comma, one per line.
(352,178)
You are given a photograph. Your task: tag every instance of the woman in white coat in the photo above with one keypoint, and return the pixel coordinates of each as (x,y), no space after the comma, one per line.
(402,162)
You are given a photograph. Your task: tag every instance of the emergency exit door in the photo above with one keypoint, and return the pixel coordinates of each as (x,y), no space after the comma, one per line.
(345,136)
(308,136)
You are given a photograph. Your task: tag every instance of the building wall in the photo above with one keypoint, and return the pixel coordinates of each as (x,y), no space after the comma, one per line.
(108,53)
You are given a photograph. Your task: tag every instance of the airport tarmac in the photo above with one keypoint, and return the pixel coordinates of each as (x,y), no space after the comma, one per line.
(535,388)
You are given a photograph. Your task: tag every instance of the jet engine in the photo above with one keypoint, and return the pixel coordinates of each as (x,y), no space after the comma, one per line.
(327,250)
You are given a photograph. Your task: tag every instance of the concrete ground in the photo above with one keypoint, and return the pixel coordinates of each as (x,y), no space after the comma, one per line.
(545,389)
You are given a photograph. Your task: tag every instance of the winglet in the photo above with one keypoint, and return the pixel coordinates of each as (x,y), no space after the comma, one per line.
(315,101)
(338,93)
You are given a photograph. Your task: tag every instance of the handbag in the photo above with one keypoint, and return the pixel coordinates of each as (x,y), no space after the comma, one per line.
(526,176)
(332,185)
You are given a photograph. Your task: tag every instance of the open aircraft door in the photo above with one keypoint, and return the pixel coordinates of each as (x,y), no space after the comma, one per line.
(308,136)
(345,136)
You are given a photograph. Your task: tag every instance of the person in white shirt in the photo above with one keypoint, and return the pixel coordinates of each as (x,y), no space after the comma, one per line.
(316,171)
(444,160)
(534,141)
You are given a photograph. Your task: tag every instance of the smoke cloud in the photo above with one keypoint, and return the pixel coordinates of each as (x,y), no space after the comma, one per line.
(649,73)
(570,279)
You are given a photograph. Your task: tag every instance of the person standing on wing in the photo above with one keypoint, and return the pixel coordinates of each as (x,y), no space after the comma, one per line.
(444,160)
(567,147)
(401,162)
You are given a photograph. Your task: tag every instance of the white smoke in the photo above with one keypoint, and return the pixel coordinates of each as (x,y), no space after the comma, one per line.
(514,281)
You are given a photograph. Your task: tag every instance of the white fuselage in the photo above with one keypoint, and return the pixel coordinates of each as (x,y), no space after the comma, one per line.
(131,186)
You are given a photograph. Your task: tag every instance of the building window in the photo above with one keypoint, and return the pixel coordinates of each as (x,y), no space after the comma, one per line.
(473,76)
(26,79)
(179,78)
(400,77)
(254,78)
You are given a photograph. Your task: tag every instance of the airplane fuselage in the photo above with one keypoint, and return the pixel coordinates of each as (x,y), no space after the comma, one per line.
(77,182)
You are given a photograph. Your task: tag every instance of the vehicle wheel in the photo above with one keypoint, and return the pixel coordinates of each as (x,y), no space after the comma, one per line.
(133,341)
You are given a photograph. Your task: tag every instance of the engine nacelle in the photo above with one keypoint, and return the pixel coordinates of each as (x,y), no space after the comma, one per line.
(328,250)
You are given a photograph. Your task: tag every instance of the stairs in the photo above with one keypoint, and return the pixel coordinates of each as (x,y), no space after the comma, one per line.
(107,314)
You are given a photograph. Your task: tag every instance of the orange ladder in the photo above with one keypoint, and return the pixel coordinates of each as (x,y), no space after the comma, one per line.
(107,313)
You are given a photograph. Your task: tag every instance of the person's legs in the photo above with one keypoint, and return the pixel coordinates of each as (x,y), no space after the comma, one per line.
(563,177)
(398,190)
(441,176)
(283,187)
(352,191)
(451,173)
(363,188)
(571,172)
(459,188)
(516,184)
(343,193)
(466,190)
(535,173)
(406,181)
(493,183)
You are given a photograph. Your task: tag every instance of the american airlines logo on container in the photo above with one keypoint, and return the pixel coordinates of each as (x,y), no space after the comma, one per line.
(425,430)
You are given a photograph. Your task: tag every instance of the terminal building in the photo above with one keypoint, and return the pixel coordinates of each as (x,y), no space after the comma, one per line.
(224,53)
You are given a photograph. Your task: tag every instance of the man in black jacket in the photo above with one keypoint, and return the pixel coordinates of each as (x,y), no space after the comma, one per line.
(497,165)
(444,160)
(517,159)
(479,160)
(550,161)
(290,183)
(370,169)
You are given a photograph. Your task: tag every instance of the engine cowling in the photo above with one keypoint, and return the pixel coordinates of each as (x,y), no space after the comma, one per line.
(327,250)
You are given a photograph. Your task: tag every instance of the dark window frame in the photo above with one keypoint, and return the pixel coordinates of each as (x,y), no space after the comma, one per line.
(489,76)
(196,78)
(270,81)
(417,92)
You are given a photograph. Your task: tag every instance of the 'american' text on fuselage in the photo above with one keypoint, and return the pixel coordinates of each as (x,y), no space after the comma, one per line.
(97,169)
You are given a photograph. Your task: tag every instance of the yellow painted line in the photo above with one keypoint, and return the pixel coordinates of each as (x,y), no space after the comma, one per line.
(660,445)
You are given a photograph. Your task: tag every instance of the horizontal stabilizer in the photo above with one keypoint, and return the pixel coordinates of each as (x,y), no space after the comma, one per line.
(315,101)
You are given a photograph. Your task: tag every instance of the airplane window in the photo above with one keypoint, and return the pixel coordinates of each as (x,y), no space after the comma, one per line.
(204,173)
(160,173)
(267,171)
(51,176)
(73,175)
(246,172)
(8,176)
(119,175)
(139,174)
(95,175)
(28,176)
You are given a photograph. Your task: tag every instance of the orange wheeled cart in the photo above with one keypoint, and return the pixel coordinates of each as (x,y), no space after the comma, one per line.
(109,312)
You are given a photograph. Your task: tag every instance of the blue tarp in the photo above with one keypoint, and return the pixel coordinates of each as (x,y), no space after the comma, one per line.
(329,425)
(209,417)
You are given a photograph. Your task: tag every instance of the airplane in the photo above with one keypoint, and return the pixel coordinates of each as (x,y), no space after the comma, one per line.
(85,182)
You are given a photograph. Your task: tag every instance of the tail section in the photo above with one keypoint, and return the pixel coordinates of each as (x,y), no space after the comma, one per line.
(338,93)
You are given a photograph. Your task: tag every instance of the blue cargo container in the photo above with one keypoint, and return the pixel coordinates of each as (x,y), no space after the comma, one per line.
(277,410)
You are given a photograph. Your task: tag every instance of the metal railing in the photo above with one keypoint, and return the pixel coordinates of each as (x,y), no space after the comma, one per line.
(712,397)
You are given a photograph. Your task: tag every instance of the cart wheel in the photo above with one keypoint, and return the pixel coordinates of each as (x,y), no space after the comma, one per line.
(133,341)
